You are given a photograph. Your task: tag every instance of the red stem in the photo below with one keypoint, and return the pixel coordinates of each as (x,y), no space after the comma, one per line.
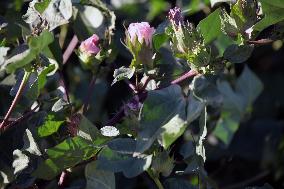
(73,43)
(15,101)
(66,55)
(142,96)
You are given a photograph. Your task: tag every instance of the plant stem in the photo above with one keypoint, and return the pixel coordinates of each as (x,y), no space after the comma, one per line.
(188,74)
(155,179)
(16,99)
(142,96)
(67,53)
(90,90)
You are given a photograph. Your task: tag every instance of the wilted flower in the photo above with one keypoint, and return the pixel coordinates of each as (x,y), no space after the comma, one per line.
(132,106)
(142,32)
(175,16)
(90,45)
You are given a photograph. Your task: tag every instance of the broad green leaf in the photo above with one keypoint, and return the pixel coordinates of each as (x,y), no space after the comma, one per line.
(238,54)
(236,103)
(163,163)
(122,73)
(89,131)
(98,178)
(163,116)
(273,13)
(210,26)
(160,36)
(177,183)
(39,82)
(276,3)
(249,85)
(228,24)
(41,6)
(65,155)
(122,145)
(226,127)
(245,14)
(51,125)
(47,170)
(205,90)
(36,46)
(187,149)
(109,160)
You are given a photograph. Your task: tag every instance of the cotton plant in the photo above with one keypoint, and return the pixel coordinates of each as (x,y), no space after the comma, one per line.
(167,116)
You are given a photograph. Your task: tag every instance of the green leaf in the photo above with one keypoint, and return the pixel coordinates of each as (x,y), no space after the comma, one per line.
(226,127)
(273,13)
(249,85)
(236,103)
(90,132)
(238,54)
(110,160)
(245,14)
(98,178)
(65,155)
(122,73)
(187,149)
(35,89)
(228,24)
(163,116)
(122,145)
(41,6)
(174,183)
(163,163)
(205,90)
(160,36)
(36,46)
(51,125)
(208,32)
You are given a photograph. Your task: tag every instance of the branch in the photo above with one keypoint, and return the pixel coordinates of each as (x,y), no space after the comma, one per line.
(185,76)
(73,43)
(261,42)
(90,90)
(66,55)
(142,96)
(23,117)
(16,99)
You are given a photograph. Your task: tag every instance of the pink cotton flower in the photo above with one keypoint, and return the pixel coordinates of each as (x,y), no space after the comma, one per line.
(90,45)
(142,31)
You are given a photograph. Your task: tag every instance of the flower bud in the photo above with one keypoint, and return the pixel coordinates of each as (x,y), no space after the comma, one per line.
(143,32)
(90,45)
(139,42)
(175,16)
(89,52)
